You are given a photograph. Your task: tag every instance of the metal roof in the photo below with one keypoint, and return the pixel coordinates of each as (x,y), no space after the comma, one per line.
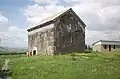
(106,41)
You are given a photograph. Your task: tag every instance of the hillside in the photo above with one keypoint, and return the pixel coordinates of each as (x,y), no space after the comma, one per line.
(72,66)
(10,50)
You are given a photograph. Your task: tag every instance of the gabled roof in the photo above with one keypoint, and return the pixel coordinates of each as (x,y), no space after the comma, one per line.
(54,16)
(106,41)
(51,19)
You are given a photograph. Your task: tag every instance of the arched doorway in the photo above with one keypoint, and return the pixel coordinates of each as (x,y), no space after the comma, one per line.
(34,51)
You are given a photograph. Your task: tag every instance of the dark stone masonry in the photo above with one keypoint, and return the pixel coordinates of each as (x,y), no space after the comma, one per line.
(63,33)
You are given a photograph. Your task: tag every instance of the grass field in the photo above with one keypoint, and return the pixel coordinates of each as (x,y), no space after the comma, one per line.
(71,66)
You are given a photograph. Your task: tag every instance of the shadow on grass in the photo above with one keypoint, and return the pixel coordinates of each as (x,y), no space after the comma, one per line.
(75,56)
(5,74)
(95,56)
(117,55)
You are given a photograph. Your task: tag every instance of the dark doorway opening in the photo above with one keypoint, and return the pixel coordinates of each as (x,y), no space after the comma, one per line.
(34,52)
(109,47)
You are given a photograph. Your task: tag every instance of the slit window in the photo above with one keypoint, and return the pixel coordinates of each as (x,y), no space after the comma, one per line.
(105,46)
(113,46)
(71,39)
(69,27)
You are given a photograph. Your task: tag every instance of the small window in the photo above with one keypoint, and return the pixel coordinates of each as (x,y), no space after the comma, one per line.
(69,27)
(71,17)
(77,33)
(105,46)
(63,39)
(76,27)
(113,46)
(71,39)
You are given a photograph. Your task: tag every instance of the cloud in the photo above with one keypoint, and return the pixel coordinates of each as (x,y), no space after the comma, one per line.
(101,16)
(11,36)
(3,19)
(3,23)
(35,13)
(14,37)
(104,35)
(46,1)
(94,35)
(110,17)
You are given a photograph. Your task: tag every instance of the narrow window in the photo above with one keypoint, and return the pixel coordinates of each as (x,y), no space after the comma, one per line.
(105,46)
(69,27)
(71,17)
(71,39)
(63,39)
(109,47)
(76,27)
(113,46)
(77,33)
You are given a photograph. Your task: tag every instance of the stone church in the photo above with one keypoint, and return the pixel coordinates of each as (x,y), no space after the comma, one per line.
(61,33)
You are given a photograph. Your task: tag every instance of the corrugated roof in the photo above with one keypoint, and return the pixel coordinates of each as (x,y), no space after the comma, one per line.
(106,41)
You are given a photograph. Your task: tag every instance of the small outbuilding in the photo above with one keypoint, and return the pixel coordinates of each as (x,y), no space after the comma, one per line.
(106,46)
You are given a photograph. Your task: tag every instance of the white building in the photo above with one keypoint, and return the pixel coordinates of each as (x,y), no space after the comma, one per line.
(106,46)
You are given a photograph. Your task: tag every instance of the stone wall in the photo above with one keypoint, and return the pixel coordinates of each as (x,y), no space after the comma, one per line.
(66,34)
(43,41)
(69,34)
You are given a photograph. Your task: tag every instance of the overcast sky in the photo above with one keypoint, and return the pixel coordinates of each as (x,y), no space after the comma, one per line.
(102,18)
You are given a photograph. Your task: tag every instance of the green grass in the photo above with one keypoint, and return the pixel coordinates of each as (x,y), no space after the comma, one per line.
(71,66)
(1,62)
(3,57)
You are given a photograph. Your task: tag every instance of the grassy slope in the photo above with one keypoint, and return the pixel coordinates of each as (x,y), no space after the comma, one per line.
(78,66)
(3,57)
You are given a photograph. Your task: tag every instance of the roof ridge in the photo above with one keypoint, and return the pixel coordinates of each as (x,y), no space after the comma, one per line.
(52,17)
(49,19)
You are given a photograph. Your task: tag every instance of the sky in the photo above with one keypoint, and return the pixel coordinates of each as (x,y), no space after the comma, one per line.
(102,18)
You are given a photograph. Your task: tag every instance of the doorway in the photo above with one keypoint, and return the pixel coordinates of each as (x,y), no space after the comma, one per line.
(34,52)
(109,47)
